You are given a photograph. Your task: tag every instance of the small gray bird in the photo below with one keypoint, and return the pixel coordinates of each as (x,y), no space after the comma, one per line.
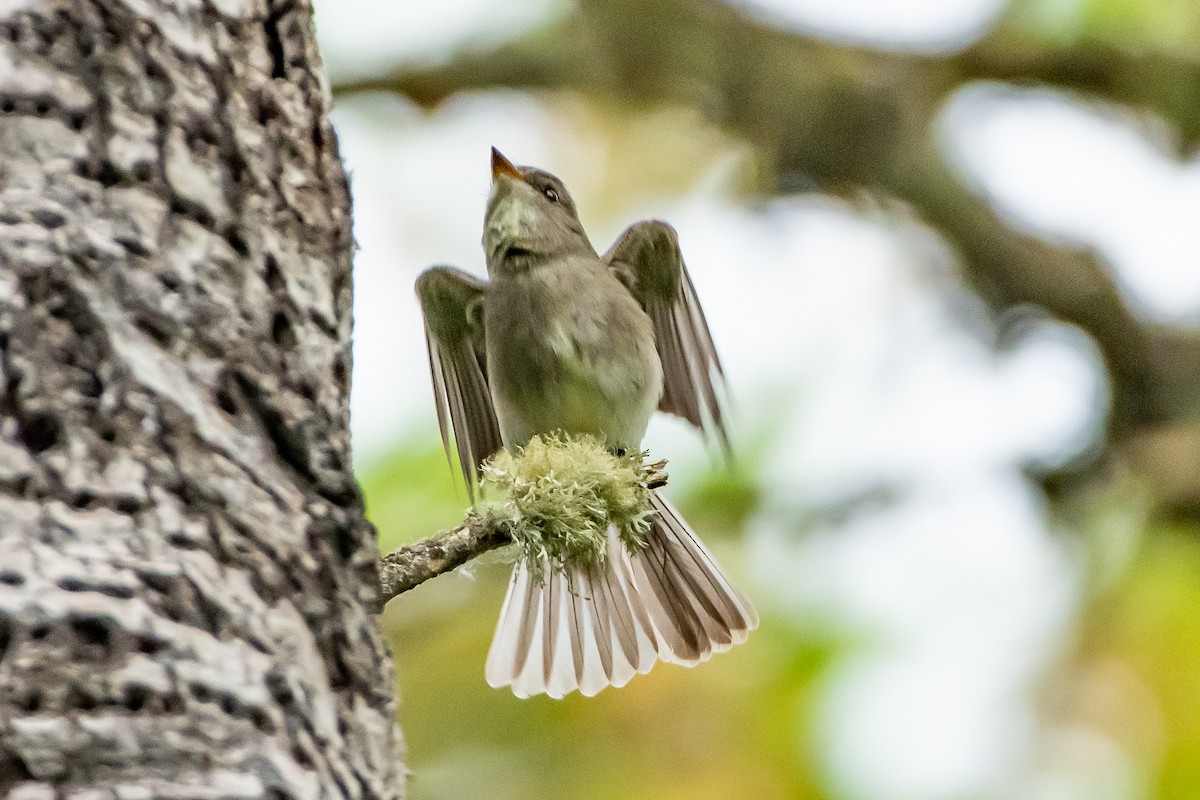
(563,339)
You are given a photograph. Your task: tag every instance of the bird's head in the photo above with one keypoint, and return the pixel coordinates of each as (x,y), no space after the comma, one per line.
(530,217)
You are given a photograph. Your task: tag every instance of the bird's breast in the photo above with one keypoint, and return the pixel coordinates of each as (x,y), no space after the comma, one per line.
(569,349)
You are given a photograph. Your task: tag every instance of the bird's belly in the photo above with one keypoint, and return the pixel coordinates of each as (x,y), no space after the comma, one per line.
(575,407)
(605,390)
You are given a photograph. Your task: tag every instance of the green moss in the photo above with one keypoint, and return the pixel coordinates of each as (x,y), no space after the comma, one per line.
(558,495)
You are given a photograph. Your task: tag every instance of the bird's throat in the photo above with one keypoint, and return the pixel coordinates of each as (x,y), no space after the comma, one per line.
(516,251)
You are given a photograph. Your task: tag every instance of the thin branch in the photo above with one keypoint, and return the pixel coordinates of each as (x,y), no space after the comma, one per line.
(412,565)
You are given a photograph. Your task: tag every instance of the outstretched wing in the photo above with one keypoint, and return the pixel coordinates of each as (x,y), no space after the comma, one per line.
(647,259)
(451,301)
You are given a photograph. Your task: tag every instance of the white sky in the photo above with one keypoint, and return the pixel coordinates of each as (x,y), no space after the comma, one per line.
(921,25)
(846,357)
(358,35)
(1093,176)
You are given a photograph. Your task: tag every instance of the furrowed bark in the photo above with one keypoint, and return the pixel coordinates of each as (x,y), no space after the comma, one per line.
(186,574)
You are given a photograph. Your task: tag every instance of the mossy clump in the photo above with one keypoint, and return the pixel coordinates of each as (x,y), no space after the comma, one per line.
(558,495)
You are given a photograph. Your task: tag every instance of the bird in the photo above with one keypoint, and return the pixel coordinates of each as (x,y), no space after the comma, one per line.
(562,340)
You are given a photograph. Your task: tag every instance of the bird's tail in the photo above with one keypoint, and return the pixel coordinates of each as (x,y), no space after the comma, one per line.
(585,629)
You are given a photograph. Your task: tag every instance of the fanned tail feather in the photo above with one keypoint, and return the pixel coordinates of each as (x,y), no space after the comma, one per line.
(694,608)
(583,630)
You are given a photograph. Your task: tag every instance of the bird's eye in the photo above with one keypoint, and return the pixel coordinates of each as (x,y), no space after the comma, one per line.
(551,194)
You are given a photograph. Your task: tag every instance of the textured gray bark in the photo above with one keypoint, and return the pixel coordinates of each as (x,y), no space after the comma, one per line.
(186,575)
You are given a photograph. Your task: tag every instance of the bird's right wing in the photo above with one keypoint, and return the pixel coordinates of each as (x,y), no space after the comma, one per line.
(451,301)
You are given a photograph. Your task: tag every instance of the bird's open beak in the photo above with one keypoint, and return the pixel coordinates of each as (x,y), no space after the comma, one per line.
(502,166)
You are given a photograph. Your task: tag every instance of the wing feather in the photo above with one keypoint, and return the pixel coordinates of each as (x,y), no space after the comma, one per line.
(456,364)
(648,260)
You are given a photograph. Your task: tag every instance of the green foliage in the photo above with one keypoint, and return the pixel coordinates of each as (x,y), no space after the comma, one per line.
(558,496)
(1149,627)
(411,493)
(1161,26)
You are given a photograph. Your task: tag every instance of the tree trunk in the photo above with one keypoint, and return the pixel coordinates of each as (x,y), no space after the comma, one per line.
(186,574)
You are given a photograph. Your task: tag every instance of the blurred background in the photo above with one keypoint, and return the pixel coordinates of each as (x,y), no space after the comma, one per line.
(950,253)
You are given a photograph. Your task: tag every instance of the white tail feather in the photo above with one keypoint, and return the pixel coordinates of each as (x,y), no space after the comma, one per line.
(585,630)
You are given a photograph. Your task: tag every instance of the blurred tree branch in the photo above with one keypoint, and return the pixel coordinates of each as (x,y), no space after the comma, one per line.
(1164,85)
(839,118)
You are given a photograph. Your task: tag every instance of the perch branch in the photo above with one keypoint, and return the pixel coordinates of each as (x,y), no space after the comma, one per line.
(410,566)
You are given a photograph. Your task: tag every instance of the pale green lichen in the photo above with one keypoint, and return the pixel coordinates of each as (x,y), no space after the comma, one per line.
(558,495)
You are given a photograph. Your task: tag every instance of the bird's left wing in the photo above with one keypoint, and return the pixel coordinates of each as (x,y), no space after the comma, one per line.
(451,301)
(648,261)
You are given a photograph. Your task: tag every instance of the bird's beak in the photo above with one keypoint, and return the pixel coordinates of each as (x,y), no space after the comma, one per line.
(502,166)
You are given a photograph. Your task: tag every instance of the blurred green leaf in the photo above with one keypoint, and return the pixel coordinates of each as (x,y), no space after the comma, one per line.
(411,494)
